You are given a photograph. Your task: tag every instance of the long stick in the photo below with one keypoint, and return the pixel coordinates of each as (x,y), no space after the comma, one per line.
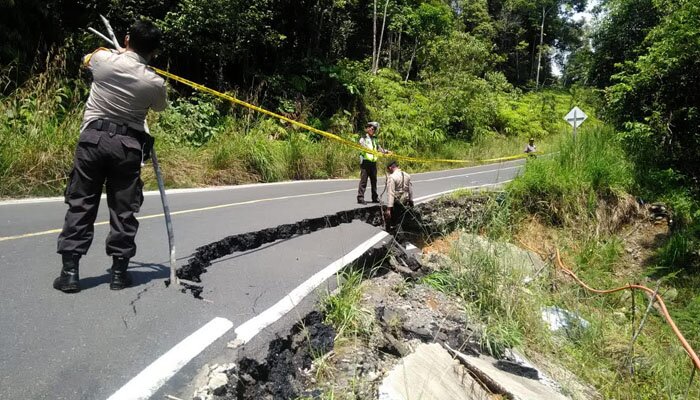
(110,32)
(690,384)
(168,220)
(100,35)
(641,325)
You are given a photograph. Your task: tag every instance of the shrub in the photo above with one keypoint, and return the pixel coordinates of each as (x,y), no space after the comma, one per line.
(190,121)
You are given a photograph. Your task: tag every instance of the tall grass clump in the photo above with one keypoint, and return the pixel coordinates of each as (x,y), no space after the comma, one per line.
(343,309)
(269,152)
(39,126)
(491,278)
(567,186)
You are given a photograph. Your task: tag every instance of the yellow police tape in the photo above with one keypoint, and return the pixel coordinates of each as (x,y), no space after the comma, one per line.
(325,134)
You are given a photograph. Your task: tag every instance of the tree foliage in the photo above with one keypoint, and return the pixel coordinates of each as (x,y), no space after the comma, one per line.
(517,25)
(620,37)
(656,95)
(242,43)
(445,67)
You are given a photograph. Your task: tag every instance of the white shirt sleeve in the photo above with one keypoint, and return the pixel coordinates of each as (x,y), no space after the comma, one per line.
(160,100)
(391,191)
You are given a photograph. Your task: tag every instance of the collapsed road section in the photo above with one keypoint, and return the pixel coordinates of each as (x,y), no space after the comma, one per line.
(430,218)
(407,336)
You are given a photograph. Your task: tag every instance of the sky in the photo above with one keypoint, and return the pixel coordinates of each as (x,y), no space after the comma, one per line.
(586,16)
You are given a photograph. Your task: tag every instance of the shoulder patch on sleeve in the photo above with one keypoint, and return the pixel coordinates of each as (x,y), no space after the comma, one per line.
(88,58)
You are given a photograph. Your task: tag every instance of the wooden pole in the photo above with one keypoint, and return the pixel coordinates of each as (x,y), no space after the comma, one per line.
(168,220)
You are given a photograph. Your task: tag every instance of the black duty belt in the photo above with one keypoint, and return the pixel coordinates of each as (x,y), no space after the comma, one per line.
(115,128)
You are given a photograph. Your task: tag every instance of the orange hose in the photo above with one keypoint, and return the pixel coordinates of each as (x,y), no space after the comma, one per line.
(688,349)
(686,346)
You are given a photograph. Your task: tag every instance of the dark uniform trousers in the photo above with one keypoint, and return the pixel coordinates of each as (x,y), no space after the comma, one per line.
(368,169)
(103,156)
(404,220)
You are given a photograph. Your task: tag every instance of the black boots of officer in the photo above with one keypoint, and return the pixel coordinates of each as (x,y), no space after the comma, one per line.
(120,278)
(68,281)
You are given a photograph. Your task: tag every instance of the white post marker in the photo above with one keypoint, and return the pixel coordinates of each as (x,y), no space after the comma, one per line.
(575,118)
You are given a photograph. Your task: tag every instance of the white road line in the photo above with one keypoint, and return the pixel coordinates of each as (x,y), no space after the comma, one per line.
(252,327)
(37,200)
(146,383)
(465,175)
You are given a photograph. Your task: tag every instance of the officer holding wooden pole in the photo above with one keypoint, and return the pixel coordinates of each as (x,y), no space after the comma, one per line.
(112,147)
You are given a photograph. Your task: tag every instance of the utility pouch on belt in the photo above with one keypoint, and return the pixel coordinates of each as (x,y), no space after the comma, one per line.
(148,142)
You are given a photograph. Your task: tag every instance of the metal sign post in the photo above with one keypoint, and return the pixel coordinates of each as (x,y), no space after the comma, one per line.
(575,118)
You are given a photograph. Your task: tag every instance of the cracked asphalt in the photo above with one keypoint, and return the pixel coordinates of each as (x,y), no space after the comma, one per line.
(88,345)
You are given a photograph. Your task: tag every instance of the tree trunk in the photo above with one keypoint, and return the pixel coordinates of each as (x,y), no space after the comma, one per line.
(410,62)
(391,48)
(398,54)
(533,48)
(539,56)
(381,38)
(315,43)
(374,35)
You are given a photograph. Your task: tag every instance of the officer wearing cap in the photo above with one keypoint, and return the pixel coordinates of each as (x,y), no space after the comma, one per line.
(112,146)
(399,196)
(368,163)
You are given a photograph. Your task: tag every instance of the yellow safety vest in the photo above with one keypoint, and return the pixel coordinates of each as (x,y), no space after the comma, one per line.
(369,156)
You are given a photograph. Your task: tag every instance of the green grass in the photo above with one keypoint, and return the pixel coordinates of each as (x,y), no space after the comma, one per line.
(490,281)
(354,326)
(566,188)
(568,192)
(508,310)
(343,310)
(38,131)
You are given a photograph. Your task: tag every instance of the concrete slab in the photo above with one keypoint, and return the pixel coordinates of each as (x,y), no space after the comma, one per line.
(430,373)
(513,386)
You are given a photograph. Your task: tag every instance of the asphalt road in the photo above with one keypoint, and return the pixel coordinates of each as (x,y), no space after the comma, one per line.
(89,345)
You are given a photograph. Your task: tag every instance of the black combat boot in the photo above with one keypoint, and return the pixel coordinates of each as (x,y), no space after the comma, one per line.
(120,278)
(68,281)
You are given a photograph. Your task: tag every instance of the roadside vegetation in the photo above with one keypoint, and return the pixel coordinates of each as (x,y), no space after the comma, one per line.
(578,201)
(444,79)
(457,79)
(203,141)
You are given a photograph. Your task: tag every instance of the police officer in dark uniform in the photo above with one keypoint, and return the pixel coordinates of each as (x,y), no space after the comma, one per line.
(112,147)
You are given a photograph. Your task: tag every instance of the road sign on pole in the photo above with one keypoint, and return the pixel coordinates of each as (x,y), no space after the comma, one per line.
(575,118)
